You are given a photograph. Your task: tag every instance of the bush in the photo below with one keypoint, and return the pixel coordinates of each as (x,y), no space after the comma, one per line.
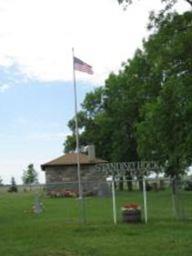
(148,187)
(188,185)
(13,187)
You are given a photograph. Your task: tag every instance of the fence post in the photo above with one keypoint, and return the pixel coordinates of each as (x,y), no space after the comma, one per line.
(145,201)
(114,202)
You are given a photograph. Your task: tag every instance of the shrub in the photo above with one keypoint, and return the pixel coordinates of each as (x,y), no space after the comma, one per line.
(188,185)
(13,187)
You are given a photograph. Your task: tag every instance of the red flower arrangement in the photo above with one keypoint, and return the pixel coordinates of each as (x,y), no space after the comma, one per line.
(62,193)
(131,213)
(69,193)
(131,207)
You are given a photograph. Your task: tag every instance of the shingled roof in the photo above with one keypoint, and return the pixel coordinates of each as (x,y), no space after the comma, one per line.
(71,159)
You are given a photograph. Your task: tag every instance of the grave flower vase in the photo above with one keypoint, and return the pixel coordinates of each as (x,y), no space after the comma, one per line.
(131,213)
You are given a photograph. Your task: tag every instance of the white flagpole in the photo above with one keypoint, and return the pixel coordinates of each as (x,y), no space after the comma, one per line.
(77,131)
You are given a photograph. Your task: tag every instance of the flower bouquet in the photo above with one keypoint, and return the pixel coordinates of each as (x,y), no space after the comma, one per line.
(131,213)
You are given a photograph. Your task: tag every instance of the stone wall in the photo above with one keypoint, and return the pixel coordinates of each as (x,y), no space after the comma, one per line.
(65,178)
(69,174)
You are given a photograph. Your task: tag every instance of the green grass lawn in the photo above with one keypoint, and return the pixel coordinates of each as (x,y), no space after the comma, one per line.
(57,231)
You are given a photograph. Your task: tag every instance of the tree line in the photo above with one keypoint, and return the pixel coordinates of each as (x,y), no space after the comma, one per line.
(29,178)
(145,111)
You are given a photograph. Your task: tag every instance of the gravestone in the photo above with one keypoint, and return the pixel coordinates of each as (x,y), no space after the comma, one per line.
(37,207)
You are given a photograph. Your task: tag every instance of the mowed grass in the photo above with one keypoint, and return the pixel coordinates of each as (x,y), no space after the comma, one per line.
(58,232)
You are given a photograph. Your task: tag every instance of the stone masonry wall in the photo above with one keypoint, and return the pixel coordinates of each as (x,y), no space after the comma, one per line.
(66,178)
(69,173)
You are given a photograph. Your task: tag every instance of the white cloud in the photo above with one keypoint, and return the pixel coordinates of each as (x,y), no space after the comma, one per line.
(4,87)
(38,35)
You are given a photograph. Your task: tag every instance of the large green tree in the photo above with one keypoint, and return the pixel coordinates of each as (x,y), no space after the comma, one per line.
(164,132)
(144,111)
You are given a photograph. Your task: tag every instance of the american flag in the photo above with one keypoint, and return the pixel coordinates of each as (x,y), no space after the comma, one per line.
(82,66)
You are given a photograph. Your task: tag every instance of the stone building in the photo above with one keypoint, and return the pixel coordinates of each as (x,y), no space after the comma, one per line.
(62,172)
(64,169)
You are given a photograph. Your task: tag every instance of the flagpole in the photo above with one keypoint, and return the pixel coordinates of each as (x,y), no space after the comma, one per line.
(77,132)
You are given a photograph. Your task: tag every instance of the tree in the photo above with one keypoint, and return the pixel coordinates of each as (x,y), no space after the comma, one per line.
(144,112)
(29,175)
(156,18)
(164,133)
(1,181)
(13,187)
(169,3)
(93,124)
(164,129)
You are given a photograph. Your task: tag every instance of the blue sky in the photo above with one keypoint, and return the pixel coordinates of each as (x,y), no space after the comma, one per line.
(36,87)
(33,117)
